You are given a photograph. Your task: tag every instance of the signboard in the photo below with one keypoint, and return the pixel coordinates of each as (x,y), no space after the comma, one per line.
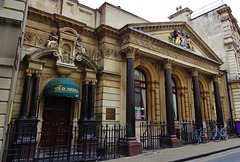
(110,113)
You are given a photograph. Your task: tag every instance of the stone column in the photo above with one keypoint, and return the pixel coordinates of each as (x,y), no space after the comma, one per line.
(134,147)
(197,99)
(169,97)
(34,99)
(91,95)
(84,105)
(173,141)
(25,95)
(218,102)
(130,99)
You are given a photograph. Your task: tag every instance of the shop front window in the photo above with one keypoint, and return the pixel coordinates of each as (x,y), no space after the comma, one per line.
(140,95)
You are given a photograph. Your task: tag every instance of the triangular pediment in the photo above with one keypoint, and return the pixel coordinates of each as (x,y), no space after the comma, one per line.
(173,31)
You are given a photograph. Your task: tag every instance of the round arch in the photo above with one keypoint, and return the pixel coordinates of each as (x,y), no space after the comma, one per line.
(51,50)
(179,78)
(148,70)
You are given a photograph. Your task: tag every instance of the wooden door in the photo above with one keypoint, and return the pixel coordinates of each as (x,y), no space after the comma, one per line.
(56,118)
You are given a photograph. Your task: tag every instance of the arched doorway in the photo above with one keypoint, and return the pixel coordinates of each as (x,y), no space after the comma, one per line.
(59,97)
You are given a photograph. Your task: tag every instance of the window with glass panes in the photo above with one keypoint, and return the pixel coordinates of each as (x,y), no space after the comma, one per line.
(140,95)
(174,93)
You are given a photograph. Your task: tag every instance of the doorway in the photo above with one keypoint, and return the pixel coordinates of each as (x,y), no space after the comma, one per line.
(56,121)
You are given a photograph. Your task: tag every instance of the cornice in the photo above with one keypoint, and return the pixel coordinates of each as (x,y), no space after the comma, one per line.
(180,12)
(229,11)
(145,27)
(59,20)
(150,42)
(105,30)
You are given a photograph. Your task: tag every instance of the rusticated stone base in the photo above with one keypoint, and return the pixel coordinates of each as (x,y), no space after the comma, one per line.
(133,146)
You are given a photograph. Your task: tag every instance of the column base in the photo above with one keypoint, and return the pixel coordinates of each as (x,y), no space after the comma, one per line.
(133,146)
(26,130)
(173,141)
(204,138)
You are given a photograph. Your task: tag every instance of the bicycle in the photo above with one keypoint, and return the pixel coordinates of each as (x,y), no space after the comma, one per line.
(197,136)
(218,134)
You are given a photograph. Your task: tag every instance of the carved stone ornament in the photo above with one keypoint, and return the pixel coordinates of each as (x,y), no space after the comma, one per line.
(69,50)
(53,39)
(168,64)
(130,52)
(195,71)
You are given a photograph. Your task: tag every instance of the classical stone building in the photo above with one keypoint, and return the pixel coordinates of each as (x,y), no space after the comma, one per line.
(220,30)
(81,64)
(12,17)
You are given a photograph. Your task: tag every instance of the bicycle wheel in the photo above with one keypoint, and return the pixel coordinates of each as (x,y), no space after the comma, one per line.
(225,136)
(214,135)
(195,139)
(218,137)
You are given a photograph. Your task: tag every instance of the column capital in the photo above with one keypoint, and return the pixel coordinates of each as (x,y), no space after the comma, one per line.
(29,72)
(195,71)
(167,63)
(38,74)
(93,81)
(130,52)
(216,78)
(86,81)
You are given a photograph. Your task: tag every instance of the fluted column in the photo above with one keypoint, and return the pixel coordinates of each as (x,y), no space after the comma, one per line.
(197,99)
(130,97)
(34,99)
(25,96)
(169,97)
(218,102)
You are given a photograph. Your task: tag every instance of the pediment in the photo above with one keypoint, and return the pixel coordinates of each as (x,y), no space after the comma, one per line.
(167,31)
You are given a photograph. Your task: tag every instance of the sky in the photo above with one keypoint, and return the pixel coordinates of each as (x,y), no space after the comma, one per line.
(160,10)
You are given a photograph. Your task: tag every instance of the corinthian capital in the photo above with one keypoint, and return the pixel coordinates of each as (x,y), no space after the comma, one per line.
(195,71)
(130,52)
(168,64)
(216,78)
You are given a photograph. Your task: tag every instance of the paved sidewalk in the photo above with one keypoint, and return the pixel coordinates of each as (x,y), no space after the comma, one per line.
(182,153)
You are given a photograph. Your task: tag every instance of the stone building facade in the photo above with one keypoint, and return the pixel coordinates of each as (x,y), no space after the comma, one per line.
(220,30)
(81,64)
(12,17)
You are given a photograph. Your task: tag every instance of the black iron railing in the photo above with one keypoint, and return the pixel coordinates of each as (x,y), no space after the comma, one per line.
(153,134)
(65,144)
(210,126)
(185,131)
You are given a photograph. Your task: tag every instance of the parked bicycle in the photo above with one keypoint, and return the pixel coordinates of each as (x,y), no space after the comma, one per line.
(218,134)
(196,136)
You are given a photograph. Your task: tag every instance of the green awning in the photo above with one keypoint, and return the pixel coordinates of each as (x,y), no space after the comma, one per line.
(61,88)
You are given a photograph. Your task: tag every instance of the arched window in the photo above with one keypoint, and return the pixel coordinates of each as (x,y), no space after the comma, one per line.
(140,95)
(174,93)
